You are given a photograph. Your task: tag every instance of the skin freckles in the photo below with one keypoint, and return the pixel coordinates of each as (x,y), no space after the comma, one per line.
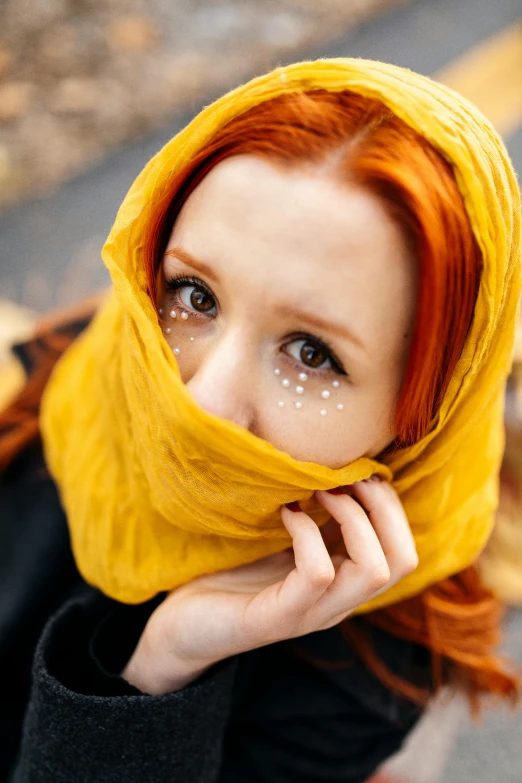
(285,272)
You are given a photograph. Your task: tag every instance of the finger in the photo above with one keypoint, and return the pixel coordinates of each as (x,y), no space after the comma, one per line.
(390,523)
(364,572)
(312,574)
(361,540)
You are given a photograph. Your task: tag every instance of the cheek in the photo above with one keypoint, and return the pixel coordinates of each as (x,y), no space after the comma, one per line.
(363,427)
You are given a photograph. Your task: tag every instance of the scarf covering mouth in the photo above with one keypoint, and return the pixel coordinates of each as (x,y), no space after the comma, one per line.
(157,492)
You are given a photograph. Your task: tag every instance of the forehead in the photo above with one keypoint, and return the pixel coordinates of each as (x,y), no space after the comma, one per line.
(301,211)
(297,232)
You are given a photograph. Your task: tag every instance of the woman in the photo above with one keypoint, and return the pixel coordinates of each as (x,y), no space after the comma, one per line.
(316,286)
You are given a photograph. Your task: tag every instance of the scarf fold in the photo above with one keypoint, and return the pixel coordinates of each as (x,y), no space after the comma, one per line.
(158,492)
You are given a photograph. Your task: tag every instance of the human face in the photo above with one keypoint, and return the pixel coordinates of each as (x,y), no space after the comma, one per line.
(294,297)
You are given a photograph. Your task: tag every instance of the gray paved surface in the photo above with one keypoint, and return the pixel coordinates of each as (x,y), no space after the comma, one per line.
(49,249)
(49,255)
(492,752)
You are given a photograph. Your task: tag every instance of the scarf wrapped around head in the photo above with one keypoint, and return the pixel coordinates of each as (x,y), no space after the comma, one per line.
(158,492)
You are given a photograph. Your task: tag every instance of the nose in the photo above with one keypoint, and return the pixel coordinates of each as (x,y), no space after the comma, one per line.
(222,383)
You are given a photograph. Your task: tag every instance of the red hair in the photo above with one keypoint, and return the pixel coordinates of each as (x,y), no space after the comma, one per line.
(359,140)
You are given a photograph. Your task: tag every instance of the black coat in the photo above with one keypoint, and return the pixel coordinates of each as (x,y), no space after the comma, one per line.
(268,716)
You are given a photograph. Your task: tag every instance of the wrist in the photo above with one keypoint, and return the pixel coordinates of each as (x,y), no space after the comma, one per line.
(153,670)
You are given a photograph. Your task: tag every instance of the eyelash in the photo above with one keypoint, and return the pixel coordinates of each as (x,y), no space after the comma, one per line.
(173,284)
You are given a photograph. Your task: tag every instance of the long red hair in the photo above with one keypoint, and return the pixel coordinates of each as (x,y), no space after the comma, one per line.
(359,140)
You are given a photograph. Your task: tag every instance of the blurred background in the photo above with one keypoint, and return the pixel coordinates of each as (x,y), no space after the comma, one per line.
(90,89)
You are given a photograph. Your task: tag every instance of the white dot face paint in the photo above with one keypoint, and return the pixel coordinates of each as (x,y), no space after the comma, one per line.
(293,386)
(306,394)
(304,385)
(182,331)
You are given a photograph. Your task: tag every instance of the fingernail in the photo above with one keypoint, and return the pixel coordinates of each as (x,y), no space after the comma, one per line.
(294,506)
(336,491)
(375,477)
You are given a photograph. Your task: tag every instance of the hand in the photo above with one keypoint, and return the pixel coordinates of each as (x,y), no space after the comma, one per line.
(281,596)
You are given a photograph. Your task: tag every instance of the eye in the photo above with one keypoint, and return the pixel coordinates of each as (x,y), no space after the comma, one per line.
(193,295)
(197,298)
(311,353)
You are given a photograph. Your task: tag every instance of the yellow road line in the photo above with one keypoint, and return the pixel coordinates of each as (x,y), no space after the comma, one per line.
(490,75)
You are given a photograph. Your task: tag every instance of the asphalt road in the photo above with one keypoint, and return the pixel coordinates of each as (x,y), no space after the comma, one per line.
(49,248)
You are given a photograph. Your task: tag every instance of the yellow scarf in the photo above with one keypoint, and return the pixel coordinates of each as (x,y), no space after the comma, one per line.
(157,492)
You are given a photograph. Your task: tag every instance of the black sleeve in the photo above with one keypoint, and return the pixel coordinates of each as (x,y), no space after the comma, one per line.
(311,712)
(85,724)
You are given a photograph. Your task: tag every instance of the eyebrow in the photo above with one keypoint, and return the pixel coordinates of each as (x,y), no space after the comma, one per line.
(282,310)
(189,260)
(319,323)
